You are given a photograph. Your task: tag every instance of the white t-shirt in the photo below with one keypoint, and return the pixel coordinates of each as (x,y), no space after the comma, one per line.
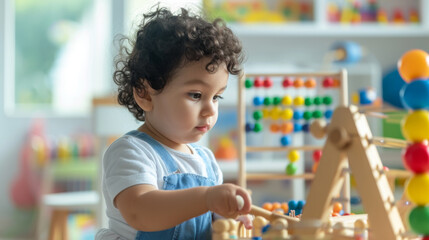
(130,161)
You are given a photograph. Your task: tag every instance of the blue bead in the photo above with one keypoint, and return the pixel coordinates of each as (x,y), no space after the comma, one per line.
(266,228)
(328,114)
(297,115)
(285,140)
(297,127)
(306,127)
(258,101)
(300,204)
(249,127)
(415,95)
(292,205)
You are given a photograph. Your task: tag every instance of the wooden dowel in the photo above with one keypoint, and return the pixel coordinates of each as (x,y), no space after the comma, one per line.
(258,211)
(282,149)
(271,176)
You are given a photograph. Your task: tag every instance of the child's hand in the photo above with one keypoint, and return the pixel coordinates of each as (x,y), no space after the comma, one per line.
(222,200)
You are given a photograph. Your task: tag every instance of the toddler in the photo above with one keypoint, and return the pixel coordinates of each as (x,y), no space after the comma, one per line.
(157,183)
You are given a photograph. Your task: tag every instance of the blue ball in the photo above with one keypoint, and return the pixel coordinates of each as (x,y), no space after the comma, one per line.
(249,127)
(292,205)
(306,127)
(415,95)
(392,84)
(285,140)
(258,101)
(300,204)
(297,114)
(328,114)
(297,127)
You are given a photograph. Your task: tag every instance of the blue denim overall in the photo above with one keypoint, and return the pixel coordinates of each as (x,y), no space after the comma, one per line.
(195,228)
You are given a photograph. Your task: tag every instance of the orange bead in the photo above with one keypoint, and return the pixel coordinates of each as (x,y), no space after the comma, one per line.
(337,207)
(298,83)
(314,168)
(285,207)
(268,206)
(276,205)
(336,83)
(286,128)
(413,65)
(274,128)
(310,83)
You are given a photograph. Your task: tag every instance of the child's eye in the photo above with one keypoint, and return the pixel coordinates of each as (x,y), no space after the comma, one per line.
(217,97)
(195,95)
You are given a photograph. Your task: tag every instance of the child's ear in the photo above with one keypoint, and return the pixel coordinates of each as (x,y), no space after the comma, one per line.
(143,97)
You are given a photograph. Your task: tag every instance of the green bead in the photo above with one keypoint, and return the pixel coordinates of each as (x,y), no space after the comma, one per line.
(267,101)
(317,100)
(317,114)
(419,220)
(327,100)
(257,115)
(248,83)
(307,115)
(258,127)
(277,100)
(291,169)
(308,101)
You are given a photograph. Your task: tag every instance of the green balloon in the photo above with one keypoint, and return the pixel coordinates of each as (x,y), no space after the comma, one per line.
(291,169)
(419,220)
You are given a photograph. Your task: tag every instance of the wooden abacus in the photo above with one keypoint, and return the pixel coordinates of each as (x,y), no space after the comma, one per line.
(243,176)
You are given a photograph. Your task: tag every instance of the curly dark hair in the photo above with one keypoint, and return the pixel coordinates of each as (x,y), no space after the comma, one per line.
(163,43)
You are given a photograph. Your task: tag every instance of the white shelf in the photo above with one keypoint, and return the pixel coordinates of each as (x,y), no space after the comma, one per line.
(230,168)
(330,30)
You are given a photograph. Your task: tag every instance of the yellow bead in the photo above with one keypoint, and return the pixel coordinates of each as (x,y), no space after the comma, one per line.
(293,155)
(265,113)
(287,114)
(417,189)
(298,101)
(355,98)
(415,126)
(275,113)
(287,100)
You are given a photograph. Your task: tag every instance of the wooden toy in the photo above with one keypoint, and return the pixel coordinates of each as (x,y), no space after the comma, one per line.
(316,81)
(349,142)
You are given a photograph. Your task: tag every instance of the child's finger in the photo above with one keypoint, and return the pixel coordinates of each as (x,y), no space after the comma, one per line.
(246,200)
(240,202)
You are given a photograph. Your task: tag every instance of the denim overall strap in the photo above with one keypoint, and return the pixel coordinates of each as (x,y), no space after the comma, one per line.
(196,228)
(168,160)
(209,167)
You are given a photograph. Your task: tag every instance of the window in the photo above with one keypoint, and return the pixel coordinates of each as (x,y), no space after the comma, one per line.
(59,56)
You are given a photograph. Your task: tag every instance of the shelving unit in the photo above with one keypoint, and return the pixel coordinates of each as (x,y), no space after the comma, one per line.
(321,26)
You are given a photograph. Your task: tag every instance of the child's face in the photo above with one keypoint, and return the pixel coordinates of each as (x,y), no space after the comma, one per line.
(188,105)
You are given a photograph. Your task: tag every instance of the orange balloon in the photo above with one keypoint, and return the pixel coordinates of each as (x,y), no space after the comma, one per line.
(414,65)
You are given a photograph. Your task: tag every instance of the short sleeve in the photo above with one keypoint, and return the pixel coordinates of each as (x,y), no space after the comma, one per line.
(126,164)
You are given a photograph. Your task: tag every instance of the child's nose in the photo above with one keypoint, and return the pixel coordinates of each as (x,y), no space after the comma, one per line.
(209,109)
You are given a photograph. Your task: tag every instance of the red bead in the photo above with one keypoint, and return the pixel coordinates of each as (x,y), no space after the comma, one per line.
(416,158)
(425,238)
(267,82)
(317,154)
(328,82)
(258,82)
(287,82)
